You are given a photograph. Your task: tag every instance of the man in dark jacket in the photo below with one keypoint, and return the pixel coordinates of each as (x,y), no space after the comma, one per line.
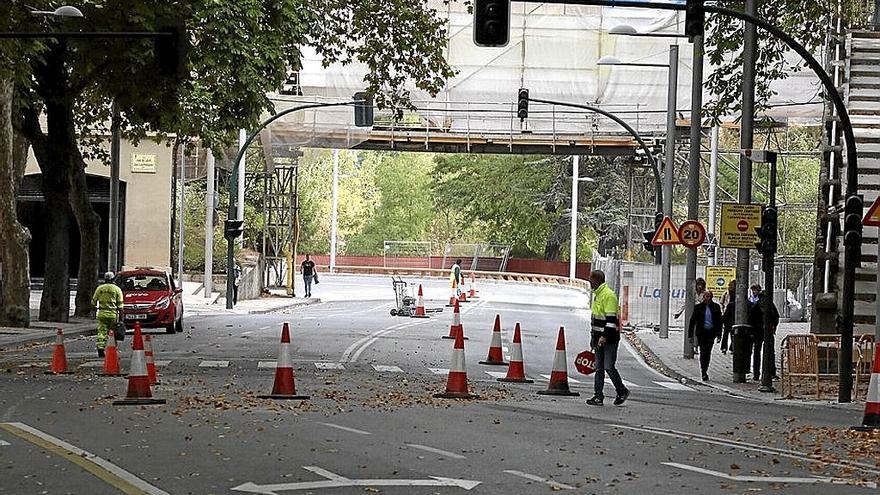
(706,324)
(756,322)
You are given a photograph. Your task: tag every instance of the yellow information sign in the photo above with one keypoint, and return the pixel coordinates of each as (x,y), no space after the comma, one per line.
(738,224)
(718,278)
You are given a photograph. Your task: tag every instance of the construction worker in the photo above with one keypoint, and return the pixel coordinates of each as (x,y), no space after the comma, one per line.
(109,303)
(456,277)
(604,339)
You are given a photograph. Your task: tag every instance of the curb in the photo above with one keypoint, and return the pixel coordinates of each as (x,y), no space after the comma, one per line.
(296,304)
(49,335)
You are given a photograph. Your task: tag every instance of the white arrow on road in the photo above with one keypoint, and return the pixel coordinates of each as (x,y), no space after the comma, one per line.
(336,481)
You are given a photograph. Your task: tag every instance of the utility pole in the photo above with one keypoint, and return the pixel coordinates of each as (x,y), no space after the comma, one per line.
(741,327)
(242,172)
(668,184)
(713,190)
(115,138)
(209,225)
(181,186)
(575,172)
(693,206)
(334,210)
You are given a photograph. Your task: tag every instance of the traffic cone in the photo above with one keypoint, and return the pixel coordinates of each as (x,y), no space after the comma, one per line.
(285,386)
(454,297)
(462,297)
(151,364)
(472,293)
(496,357)
(111,356)
(516,373)
(559,376)
(455,328)
(420,306)
(138,379)
(871,420)
(59,357)
(457,383)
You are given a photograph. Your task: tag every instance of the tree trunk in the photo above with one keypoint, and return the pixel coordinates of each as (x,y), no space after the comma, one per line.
(559,233)
(89,235)
(15,281)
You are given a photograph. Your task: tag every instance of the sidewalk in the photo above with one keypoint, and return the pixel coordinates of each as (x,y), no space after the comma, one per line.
(666,355)
(195,303)
(44,331)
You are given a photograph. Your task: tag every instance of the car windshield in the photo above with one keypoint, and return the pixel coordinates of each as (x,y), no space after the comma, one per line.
(143,282)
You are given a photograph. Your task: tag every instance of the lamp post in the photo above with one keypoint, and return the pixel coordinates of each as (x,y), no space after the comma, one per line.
(669,169)
(575,165)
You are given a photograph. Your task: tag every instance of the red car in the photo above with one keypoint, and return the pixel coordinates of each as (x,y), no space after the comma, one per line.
(151,299)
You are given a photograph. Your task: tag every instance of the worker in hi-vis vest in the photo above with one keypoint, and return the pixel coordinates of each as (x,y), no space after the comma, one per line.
(109,303)
(456,277)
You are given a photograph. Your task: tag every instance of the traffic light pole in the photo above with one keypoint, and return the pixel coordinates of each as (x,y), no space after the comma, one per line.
(693,204)
(233,187)
(769,357)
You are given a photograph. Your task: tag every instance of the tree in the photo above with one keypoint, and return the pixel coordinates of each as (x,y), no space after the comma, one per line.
(242,49)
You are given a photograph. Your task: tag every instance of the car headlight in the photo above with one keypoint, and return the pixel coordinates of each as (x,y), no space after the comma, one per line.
(162,303)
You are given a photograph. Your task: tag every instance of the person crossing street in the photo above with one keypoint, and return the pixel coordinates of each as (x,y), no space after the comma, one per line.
(604,340)
(108,301)
(705,326)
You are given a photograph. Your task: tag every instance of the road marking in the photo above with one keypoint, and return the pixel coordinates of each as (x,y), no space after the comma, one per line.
(496,374)
(626,384)
(439,371)
(309,318)
(572,380)
(772,479)
(345,428)
(261,328)
(4,443)
(674,386)
(267,364)
(553,484)
(724,442)
(334,480)
(362,344)
(214,364)
(92,364)
(387,369)
(377,308)
(436,451)
(104,470)
(329,366)
(163,362)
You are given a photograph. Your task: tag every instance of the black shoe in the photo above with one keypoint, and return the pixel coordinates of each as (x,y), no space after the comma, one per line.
(100,352)
(621,398)
(757,378)
(596,401)
(705,377)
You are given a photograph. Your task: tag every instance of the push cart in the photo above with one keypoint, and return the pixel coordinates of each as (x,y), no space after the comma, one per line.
(406,302)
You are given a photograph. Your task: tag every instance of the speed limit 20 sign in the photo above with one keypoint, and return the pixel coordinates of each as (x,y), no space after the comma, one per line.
(692,234)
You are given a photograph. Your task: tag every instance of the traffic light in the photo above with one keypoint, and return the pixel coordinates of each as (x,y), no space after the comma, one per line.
(769,229)
(491,22)
(522,104)
(363,111)
(694,18)
(171,49)
(649,236)
(852,222)
(233,229)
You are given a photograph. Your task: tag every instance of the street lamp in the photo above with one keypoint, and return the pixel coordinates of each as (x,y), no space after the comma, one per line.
(575,165)
(63,11)
(668,177)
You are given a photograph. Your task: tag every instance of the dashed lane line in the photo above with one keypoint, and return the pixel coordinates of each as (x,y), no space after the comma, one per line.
(329,366)
(439,371)
(553,484)
(104,470)
(346,428)
(496,374)
(387,369)
(267,364)
(572,380)
(214,364)
(444,453)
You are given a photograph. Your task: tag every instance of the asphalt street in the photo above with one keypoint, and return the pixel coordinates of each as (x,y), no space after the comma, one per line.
(372,425)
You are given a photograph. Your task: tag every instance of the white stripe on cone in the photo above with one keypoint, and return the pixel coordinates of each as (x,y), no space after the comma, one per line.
(284,356)
(559,363)
(138,364)
(458,362)
(516,352)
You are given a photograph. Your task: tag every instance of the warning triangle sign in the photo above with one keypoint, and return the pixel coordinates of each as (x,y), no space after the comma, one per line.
(872,218)
(667,234)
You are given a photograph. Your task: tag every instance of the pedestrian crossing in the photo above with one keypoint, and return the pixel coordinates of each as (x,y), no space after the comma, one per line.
(332,366)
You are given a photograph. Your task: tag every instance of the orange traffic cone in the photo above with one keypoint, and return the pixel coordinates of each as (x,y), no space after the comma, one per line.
(111,356)
(871,420)
(151,364)
(495,355)
(472,293)
(138,380)
(454,297)
(285,386)
(457,383)
(462,297)
(455,328)
(420,306)
(559,376)
(516,373)
(59,357)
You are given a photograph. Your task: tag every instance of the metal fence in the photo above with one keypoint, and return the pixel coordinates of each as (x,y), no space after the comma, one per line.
(482,257)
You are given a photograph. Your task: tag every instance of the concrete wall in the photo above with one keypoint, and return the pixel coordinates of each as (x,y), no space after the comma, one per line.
(147,200)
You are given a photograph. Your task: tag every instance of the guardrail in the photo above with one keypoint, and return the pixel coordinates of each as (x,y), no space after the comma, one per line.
(533,278)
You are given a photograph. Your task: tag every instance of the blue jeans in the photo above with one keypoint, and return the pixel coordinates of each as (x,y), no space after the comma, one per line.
(606,357)
(307,281)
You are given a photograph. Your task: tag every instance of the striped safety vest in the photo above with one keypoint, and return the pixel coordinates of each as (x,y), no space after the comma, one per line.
(604,318)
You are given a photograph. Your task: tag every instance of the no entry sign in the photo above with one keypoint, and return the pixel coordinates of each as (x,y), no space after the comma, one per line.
(738,224)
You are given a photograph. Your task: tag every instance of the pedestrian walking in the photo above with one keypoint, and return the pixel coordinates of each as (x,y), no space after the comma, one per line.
(756,331)
(236,281)
(604,340)
(728,309)
(456,277)
(699,289)
(108,302)
(705,327)
(309,275)
(755,293)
